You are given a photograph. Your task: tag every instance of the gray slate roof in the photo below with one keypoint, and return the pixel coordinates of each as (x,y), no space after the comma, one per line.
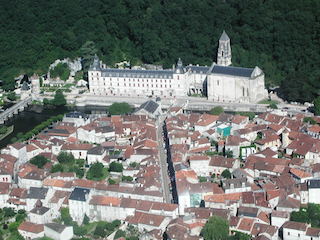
(314,183)
(56,227)
(79,194)
(37,193)
(150,106)
(233,71)
(98,150)
(40,210)
(198,69)
(132,73)
(76,115)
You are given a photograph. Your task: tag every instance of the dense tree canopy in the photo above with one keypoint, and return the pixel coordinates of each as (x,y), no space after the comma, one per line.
(282,37)
(216,228)
(39,161)
(120,108)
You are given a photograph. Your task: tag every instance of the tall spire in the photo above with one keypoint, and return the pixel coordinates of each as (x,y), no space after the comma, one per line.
(224,50)
(95,64)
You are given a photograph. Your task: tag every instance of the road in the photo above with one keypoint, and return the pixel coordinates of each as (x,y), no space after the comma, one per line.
(163,160)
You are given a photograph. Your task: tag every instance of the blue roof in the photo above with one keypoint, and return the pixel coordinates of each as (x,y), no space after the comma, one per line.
(198,69)
(79,194)
(115,72)
(233,71)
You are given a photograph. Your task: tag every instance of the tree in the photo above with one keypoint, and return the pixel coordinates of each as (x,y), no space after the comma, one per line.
(59,99)
(226,174)
(216,110)
(316,104)
(66,158)
(61,70)
(87,52)
(65,216)
(100,230)
(309,120)
(96,172)
(120,108)
(39,161)
(216,228)
(86,220)
(202,179)
(229,153)
(57,168)
(8,212)
(115,167)
(127,179)
(120,233)
(12,96)
(273,106)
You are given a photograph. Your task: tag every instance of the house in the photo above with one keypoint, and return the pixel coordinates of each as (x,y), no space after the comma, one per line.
(78,150)
(236,185)
(313,234)
(96,154)
(218,164)
(206,122)
(58,231)
(294,230)
(35,194)
(314,131)
(278,218)
(234,144)
(77,118)
(147,221)
(40,214)
(78,203)
(4,193)
(30,230)
(299,175)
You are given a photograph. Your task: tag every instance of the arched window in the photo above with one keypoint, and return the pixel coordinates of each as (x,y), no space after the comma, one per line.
(243,91)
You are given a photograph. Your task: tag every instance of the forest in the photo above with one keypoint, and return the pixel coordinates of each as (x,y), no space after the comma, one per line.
(281,37)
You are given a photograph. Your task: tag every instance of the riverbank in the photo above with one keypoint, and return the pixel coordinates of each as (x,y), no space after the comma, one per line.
(8,132)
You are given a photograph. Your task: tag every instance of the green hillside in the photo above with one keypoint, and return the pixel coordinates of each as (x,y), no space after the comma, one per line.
(282,37)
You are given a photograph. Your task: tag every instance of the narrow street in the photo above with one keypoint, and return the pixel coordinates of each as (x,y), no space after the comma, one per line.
(163,160)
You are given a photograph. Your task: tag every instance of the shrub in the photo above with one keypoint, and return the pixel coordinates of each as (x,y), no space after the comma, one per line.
(115,167)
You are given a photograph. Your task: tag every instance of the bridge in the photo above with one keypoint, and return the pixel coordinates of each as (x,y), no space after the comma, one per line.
(15,109)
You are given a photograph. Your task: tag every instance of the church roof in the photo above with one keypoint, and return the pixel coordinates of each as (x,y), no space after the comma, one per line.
(198,69)
(224,36)
(233,71)
(150,106)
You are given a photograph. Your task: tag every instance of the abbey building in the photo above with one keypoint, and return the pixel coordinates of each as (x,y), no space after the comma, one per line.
(220,82)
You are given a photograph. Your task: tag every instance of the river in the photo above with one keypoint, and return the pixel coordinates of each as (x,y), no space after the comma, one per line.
(34,115)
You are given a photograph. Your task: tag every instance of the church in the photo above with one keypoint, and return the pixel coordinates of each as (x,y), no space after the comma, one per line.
(219,83)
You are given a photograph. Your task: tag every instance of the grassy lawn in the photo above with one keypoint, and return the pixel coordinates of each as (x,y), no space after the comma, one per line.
(267,101)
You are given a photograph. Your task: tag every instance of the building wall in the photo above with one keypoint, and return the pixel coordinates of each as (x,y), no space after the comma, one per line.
(314,194)
(292,234)
(66,234)
(173,85)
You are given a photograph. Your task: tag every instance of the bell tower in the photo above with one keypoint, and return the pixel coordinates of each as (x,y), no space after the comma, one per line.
(224,50)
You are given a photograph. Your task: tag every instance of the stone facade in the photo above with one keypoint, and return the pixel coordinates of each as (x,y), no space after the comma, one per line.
(219,82)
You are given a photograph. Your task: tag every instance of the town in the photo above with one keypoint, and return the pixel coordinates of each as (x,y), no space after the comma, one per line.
(165,174)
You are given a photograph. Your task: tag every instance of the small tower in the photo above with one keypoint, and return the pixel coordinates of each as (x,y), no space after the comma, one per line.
(179,68)
(224,50)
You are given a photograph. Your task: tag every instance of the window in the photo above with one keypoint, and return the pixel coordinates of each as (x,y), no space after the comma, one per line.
(288,233)
(218,82)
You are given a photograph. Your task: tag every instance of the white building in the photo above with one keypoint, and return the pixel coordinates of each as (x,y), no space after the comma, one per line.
(220,82)
(314,191)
